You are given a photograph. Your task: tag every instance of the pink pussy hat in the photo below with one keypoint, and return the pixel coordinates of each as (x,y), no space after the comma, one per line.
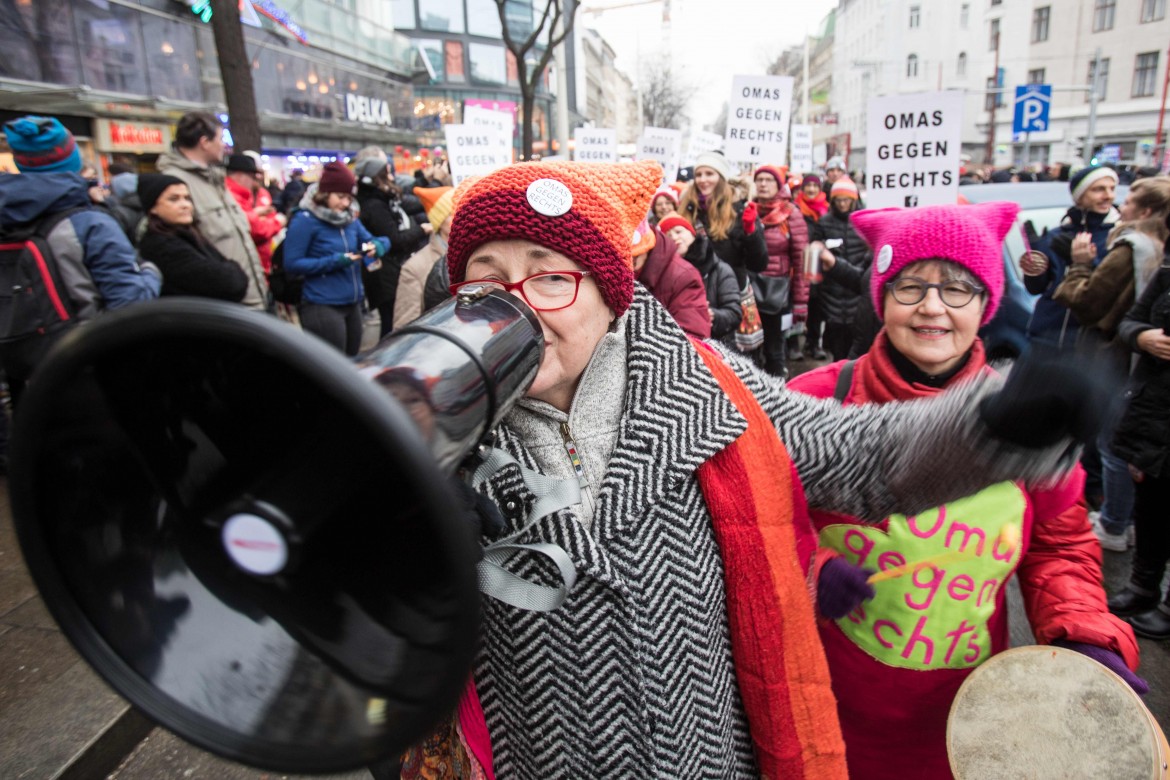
(971,236)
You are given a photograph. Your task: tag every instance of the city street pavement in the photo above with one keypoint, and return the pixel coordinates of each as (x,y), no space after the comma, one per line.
(58,720)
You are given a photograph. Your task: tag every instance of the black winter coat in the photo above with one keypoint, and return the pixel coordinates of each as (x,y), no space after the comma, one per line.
(739,250)
(838,302)
(193,267)
(1143,437)
(721,284)
(383,215)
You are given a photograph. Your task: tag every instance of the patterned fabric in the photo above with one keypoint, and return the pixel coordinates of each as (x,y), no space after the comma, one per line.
(634,675)
(593,227)
(759,522)
(971,236)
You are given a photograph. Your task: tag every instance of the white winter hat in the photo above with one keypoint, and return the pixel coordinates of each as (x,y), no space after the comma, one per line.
(716,162)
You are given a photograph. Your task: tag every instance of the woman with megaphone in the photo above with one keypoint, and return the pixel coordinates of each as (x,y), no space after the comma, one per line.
(649,610)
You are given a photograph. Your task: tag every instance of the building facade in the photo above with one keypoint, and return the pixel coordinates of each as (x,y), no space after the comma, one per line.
(119,73)
(610,97)
(985,48)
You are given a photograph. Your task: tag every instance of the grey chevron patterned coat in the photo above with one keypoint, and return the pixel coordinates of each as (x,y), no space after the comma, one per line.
(633,675)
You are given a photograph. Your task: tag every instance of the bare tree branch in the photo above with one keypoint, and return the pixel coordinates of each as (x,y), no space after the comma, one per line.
(665,98)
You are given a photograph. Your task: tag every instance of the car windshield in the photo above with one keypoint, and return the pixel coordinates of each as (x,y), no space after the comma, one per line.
(1042,219)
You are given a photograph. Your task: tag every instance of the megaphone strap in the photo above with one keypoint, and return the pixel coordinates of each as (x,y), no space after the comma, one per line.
(552,495)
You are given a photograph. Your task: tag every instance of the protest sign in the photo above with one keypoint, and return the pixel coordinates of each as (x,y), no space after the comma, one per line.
(476,151)
(665,146)
(912,149)
(757,119)
(595,144)
(702,141)
(800,157)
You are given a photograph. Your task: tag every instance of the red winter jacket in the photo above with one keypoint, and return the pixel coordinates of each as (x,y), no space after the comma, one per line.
(263,228)
(677,286)
(897,662)
(786,248)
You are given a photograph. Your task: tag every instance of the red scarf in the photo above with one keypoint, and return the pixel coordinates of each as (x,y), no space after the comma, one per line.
(813,209)
(766,539)
(876,379)
(775,212)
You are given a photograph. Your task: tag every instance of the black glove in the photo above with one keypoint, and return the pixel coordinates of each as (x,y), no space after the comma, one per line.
(1031,236)
(1048,398)
(1061,245)
(482,516)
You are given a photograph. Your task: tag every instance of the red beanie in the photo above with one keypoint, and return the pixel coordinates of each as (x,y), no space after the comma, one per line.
(781,177)
(336,178)
(674,220)
(586,211)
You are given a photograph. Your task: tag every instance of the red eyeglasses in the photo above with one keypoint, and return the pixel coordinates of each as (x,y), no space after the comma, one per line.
(547,291)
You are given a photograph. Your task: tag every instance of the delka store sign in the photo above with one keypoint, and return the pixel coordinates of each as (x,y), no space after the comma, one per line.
(115,135)
(367,110)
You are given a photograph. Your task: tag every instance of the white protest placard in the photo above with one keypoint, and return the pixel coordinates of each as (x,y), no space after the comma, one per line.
(757,119)
(665,146)
(912,149)
(595,144)
(702,141)
(501,121)
(800,157)
(476,151)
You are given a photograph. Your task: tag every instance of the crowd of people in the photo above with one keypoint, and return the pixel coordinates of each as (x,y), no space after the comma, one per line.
(737,607)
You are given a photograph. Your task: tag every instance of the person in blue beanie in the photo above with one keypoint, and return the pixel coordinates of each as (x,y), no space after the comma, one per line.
(98,266)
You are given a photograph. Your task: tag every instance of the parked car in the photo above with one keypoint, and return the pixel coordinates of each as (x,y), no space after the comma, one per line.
(1044,205)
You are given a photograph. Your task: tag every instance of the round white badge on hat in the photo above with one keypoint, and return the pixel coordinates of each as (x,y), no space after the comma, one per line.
(885,257)
(549,197)
(254,544)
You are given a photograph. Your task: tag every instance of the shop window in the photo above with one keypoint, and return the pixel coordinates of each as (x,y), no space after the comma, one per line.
(434,56)
(402,14)
(38,42)
(453,60)
(431,113)
(172,67)
(110,42)
(441,15)
(1145,74)
(519,16)
(208,65)
(483,18)
(487,63)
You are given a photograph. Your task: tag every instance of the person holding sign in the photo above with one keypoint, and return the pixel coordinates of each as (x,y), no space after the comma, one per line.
(834,240)
(918,602)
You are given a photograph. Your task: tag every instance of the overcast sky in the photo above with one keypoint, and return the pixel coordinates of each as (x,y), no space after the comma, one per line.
(711,40)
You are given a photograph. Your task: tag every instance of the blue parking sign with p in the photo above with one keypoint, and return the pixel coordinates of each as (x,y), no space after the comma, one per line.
(1032,102)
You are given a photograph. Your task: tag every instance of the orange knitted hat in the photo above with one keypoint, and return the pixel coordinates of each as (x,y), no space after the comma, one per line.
(586,211)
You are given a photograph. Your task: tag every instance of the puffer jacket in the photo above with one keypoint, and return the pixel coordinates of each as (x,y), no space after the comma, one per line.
(99,267)
(1143,436)
(221,220)
(838,302)
(632,676)
(409,301)
(721,287)
(677,286)
(894,692)
(1052,323)
(313,249)
(384,215)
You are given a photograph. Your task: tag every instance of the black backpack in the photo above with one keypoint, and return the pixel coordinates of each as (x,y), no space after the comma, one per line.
(33,298)
(285,287)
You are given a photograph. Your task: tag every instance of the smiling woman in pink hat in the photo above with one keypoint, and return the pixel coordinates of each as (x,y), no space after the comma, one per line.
(899,648)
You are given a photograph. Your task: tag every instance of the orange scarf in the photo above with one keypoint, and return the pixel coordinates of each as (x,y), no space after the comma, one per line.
(766,539)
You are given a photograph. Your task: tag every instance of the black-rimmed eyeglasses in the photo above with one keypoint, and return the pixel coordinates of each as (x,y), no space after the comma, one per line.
(910,290)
